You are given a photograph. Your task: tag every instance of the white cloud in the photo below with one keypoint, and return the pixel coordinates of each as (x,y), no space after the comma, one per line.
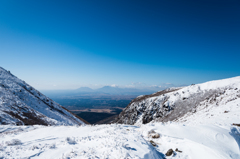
(114,85)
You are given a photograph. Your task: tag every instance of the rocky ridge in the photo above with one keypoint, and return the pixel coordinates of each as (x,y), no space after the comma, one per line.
(21,104)
(174,103)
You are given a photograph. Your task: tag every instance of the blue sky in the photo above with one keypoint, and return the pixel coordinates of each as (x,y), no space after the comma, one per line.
(69,44)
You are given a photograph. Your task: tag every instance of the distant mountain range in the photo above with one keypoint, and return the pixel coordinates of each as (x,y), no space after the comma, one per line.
(117,90)
(106,90)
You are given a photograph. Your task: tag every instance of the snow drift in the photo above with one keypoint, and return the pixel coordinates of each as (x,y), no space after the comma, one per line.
(21,104)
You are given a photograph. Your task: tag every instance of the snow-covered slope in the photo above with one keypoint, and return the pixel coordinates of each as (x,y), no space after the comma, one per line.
(204,131)
(21,104)
(182,103)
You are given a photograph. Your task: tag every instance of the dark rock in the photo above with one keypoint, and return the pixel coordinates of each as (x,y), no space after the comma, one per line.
(226,111)
(169,152)
(153,143)
(155,136)
(177,150)
(236,124)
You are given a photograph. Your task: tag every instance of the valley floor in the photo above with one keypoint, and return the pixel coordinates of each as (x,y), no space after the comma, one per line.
(120,141)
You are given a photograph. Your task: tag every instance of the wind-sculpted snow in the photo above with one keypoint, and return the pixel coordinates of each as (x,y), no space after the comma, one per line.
(196,141)
(21,104)
(173,104)
(120,141)
(84,142)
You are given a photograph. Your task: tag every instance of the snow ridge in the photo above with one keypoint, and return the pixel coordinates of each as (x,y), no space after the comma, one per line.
(21,104)
(176,103)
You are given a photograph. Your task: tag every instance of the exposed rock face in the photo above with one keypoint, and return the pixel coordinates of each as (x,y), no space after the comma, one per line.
(139,108)
(21,104)
(172,104)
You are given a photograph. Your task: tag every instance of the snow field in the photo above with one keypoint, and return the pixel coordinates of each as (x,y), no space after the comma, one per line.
(104,141)
(195,141)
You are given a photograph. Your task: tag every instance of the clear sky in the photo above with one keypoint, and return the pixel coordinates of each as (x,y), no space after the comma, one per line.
(55,44)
